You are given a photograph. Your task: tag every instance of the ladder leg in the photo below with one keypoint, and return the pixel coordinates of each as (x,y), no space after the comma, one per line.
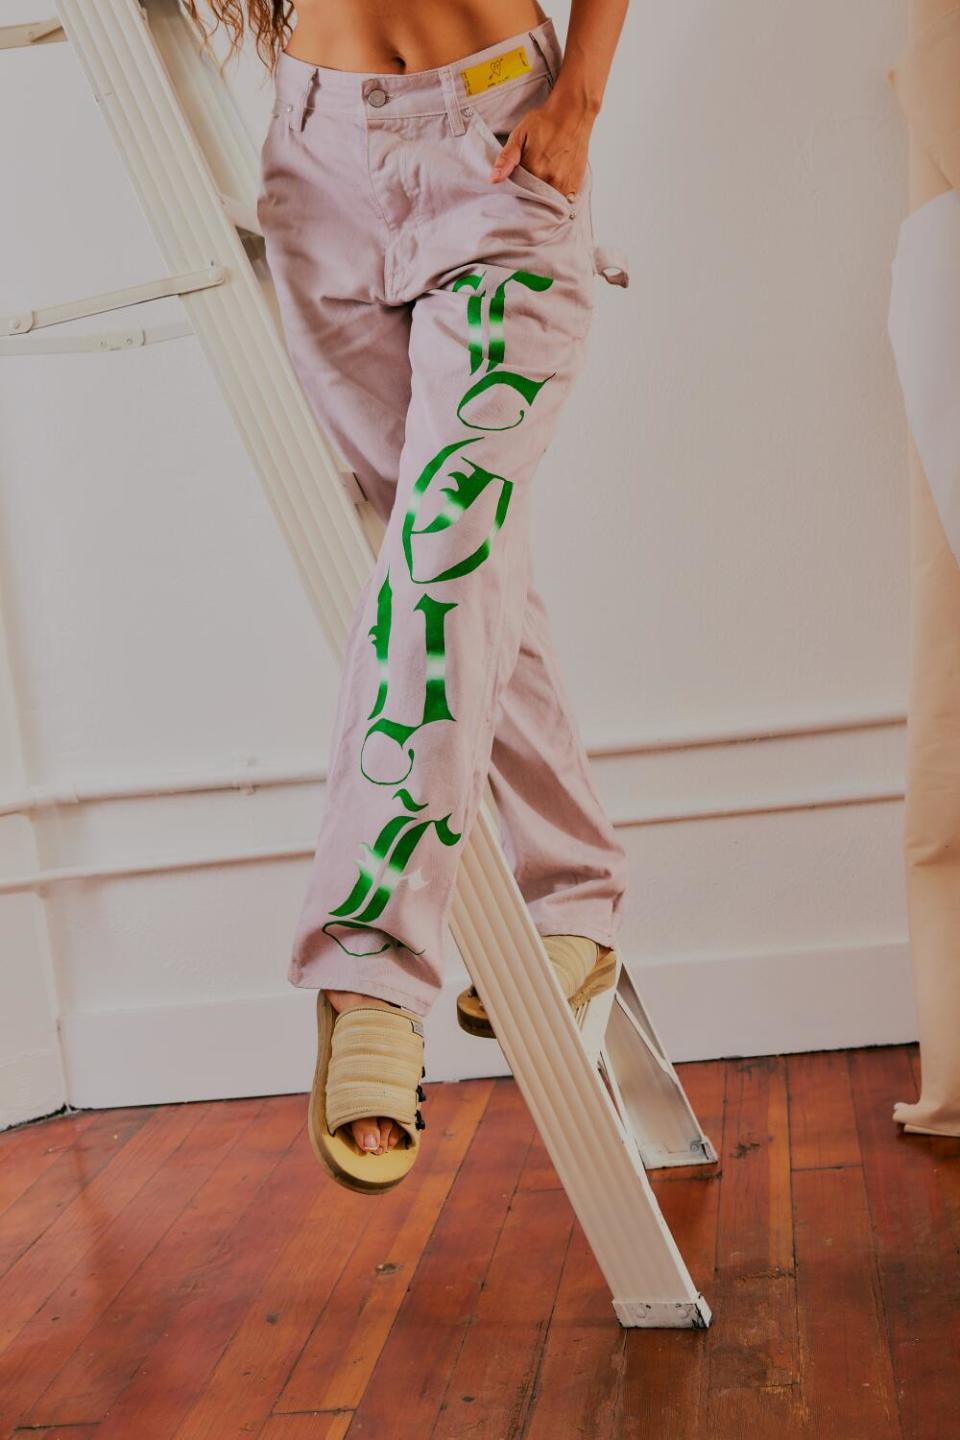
(620,1039)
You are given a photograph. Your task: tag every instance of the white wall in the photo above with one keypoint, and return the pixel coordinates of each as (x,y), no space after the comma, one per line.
(729,484)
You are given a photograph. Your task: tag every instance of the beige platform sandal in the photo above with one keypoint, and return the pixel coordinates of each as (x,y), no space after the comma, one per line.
(583,967)
(369,1063)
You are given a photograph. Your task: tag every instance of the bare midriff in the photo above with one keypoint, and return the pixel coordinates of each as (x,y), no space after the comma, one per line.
(397,36)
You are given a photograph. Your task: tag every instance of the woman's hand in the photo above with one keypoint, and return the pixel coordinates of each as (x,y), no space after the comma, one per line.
(552,143)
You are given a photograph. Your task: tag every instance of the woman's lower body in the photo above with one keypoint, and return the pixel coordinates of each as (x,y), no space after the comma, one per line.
(437,322)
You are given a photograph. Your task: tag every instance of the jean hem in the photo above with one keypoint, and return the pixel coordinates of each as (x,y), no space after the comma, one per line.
(605,935)
(310,978)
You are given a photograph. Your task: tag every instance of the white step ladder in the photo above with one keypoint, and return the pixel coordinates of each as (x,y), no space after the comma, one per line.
(605,1098)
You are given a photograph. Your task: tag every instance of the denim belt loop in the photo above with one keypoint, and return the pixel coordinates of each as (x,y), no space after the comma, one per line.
(296,109)
(551,56)
(451,98)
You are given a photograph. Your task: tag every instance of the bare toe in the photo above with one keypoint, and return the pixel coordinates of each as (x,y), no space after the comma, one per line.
(389,1133)
(367,1135)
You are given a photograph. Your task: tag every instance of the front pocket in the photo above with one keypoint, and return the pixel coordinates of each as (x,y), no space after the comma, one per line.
(523,178)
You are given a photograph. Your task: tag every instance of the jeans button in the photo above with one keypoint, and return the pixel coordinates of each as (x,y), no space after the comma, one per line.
(377,97)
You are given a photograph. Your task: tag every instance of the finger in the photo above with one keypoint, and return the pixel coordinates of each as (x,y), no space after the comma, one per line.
(509,156)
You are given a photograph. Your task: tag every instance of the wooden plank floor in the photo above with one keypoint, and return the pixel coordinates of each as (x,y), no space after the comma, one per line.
(187,1272)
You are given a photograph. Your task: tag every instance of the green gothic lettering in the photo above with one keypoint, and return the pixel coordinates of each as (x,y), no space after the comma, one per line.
(467,487)
(384,862)
(435,705)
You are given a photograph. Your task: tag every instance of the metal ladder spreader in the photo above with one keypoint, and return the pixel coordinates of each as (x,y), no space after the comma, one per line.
(602,1093)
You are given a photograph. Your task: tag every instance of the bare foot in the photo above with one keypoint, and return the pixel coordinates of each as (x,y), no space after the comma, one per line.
(382,1130)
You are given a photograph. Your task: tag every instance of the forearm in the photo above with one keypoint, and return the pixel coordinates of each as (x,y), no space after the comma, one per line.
(592,37)
(553,139)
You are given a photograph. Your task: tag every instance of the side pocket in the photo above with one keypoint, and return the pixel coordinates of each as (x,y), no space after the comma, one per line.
(522,178)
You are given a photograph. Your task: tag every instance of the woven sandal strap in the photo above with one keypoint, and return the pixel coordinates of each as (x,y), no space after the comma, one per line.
(573,957)
(376,1062)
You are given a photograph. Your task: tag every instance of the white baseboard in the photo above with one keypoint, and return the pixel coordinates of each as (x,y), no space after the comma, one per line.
(704,1008)
(834,998)
(217,1050)
(31,1085)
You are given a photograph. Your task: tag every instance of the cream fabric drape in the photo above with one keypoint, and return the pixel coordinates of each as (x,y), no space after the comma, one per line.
(927,83)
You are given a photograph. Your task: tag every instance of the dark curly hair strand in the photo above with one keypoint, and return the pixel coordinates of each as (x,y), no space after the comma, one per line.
(269,20)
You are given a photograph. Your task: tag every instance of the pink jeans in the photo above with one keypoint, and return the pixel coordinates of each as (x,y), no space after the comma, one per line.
(436,322)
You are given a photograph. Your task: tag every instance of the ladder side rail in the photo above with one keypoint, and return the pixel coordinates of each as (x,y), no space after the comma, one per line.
(233,323)
(608,1189)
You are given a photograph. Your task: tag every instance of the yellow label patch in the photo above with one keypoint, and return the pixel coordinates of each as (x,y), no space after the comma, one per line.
(493,72)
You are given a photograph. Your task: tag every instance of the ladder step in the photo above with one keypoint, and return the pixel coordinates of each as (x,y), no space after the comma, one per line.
(25,321)
(34,32)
